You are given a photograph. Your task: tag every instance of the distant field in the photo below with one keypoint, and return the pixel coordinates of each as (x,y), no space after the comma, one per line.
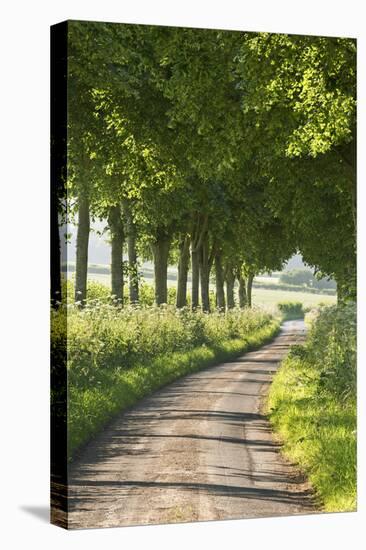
(263,279)
(148,274)
(261,296)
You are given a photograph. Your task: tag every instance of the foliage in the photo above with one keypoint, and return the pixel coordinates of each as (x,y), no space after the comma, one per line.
(312,405)
(243,146)
(332,348)
(102,337)
(305,277)
(302,102)
(254,133)
(297,277)
(291,310)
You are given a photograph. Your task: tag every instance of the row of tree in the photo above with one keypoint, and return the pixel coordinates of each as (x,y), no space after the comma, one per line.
(306,278)
(222,152)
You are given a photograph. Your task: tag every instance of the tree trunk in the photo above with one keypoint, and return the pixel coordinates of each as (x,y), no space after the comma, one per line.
(195,278)
(249,289)
(205,274)
(82,242)
(132,255)
(220,292)
(242,291)
(183,267)
(117,238)
(199,230)
(341,291)
(230,281)
(55,251)
(340,297)
(133,268)
(160,250)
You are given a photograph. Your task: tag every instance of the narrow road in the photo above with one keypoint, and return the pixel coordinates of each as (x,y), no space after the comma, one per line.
(199,449)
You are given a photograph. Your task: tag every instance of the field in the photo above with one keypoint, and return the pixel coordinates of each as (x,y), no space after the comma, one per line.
(261,296)
(269,298)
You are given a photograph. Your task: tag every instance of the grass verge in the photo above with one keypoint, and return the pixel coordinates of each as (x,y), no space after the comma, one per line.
(315,417)
(89,410)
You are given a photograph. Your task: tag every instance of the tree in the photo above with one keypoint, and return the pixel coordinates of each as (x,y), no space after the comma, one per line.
(303,105)
(217,142)
(183,267)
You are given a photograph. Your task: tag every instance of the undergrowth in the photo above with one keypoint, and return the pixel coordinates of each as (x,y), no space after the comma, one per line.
(312,405)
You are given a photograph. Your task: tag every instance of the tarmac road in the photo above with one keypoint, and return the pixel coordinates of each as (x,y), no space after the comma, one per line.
(197,450)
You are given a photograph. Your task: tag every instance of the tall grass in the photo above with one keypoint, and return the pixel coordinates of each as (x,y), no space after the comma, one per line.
(98,292)
(312,404)
(117,356)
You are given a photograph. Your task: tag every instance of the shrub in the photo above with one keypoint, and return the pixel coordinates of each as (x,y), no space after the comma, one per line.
(332,348)
(98,292)
(103,337)
(146,295)
(291,310)
(172,295)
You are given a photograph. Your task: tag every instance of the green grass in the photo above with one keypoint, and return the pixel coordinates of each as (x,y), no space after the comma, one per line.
(312,405)
(270,298)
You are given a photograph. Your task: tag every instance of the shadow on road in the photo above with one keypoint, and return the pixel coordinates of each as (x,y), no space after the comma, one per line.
(104,488)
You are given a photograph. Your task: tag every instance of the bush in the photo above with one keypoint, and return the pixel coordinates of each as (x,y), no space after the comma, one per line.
(104,337)
(96,292)
(147,295)
(291,310)
(332,348)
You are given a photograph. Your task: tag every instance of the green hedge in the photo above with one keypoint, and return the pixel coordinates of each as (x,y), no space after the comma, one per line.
(291,310)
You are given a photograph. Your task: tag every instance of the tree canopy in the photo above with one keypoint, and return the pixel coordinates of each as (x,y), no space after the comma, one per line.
(222,149)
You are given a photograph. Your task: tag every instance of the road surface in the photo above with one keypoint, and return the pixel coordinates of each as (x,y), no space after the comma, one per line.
(197,450)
